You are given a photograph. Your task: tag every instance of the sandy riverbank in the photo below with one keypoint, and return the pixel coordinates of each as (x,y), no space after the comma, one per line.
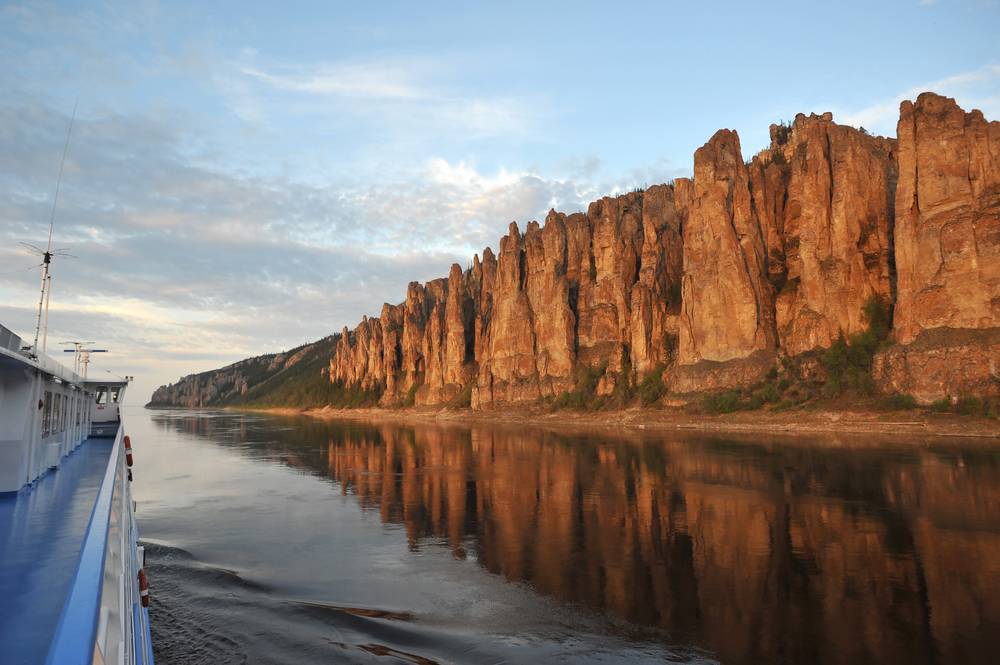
(919,423)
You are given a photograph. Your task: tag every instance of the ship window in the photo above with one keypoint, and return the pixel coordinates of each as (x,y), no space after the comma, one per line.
(102,394)
(56,403)
(78,413)
(63,413)
(114,393)
(47,414)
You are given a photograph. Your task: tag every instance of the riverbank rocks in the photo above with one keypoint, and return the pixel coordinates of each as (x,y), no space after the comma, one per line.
(942,362)
(710,280)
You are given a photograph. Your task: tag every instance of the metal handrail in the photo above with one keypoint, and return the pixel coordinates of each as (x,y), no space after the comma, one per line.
(77,631)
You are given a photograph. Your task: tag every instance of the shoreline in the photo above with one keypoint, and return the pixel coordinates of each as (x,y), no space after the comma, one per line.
(917,423)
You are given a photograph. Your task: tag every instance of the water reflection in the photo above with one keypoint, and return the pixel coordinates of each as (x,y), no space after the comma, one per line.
(760,551)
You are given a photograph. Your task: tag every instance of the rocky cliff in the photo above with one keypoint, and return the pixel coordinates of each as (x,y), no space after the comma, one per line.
(710,280)
(947,231)
(707,283)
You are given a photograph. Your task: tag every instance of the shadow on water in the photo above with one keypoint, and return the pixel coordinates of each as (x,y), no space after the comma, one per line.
(756,550)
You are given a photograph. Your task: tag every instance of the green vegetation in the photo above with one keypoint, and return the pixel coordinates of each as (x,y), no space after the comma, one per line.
(941,405)
(849,362)
(627,391)
(303,384)
(899,403)
(411,395)
(285,384)
(967,404)
(464,399)
(776,156)
(652,388)
(814,376)
(752,398)
(840,374)
(585,395)
(783,132)
(723,402)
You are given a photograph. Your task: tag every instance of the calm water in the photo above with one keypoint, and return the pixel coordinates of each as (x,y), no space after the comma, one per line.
(282,540)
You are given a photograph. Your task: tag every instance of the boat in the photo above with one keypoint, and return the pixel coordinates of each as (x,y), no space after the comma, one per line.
(72,583)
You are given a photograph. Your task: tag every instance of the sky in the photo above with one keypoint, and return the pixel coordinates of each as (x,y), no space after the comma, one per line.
(244,177)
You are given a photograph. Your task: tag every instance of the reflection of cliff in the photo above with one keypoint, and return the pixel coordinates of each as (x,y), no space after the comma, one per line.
(763,553)
(708,544)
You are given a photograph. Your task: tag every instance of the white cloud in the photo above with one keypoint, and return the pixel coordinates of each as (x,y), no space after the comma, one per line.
(979,89)
(375,80)
(186,265)
(405,97)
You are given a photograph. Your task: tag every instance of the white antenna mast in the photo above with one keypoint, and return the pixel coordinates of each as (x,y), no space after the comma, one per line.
(47,254)
(76,350)
(82,357)
(45,327)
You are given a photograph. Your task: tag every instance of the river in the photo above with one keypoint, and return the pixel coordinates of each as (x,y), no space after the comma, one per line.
(294,540)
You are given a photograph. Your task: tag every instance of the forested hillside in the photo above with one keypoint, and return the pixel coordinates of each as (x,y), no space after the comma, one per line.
(296,378)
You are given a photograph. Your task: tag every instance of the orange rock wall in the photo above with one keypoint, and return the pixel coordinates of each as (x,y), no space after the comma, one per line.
(947,218)
(836,231)
(746,261)
(728,301)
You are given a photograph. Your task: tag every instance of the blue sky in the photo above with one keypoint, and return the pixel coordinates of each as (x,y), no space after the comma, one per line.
(243,177)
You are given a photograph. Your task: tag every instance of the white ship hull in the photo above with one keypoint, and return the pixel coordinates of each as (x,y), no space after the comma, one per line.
(70,573)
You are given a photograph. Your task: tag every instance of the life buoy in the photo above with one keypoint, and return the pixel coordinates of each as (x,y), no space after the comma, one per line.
(143,589)
(128,450)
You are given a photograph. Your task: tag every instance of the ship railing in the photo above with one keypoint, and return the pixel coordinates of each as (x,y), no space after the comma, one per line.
(103,620)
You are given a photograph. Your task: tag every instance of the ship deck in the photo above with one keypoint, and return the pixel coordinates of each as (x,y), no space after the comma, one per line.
(42,529)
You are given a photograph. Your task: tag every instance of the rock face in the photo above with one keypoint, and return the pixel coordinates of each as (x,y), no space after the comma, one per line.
(580,290)
(943,362)
(947,218)
(713,278)
(655,302)
(837,227)
(728,302)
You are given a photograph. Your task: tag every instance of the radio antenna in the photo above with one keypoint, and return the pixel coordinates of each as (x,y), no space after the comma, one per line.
(47,254)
